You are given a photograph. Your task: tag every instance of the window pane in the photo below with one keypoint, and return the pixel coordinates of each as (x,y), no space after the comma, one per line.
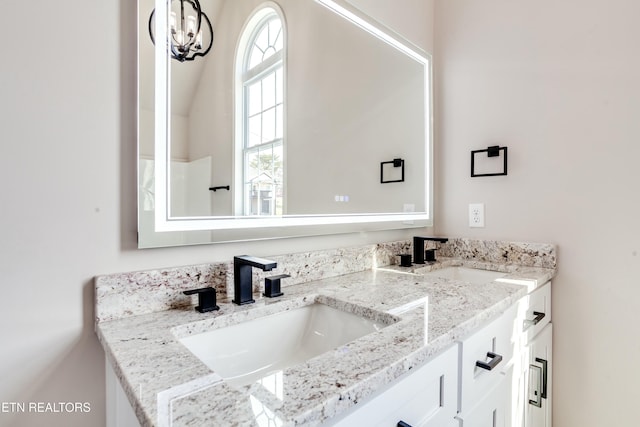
(255,99)
(269,91)
(262,41)
(269,125)
(275,30)
(254,58)
(255,132)
(266,160)
(251,167)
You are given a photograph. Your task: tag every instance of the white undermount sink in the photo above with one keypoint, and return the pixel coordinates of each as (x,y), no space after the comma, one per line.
(466,274)
(246,352)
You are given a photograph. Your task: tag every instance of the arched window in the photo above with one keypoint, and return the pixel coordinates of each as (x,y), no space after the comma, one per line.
(260,131)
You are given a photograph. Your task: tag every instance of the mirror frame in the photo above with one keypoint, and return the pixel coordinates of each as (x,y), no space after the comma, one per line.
(319,223)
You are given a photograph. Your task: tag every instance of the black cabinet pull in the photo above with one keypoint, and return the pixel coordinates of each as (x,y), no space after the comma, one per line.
(402,424)
(535,370)
(544,376)
(495,360)
(538,317)
(541,392)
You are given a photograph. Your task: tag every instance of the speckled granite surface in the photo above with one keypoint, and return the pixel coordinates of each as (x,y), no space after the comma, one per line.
(129,294)
(500,252)
(167,385)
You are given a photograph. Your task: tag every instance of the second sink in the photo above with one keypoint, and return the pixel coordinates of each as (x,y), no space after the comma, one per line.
(466,274)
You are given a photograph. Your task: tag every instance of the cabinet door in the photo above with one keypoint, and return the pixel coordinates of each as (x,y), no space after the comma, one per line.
(494,410)
(538,388)
(119,410)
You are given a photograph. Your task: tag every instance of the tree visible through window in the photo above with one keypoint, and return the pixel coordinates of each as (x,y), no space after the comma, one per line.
(263,117)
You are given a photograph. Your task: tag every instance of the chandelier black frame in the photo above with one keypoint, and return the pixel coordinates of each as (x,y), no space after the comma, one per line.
(189,48)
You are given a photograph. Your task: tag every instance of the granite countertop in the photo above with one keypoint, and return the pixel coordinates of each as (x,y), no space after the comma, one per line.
(167,385)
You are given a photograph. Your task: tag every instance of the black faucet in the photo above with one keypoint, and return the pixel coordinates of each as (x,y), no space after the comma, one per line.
(419,254)
(242,281)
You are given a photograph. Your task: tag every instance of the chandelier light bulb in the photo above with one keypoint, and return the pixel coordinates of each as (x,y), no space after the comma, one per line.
(172,22)
(191,26)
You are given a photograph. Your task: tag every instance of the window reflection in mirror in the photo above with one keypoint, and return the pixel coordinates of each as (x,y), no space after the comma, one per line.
(261,91)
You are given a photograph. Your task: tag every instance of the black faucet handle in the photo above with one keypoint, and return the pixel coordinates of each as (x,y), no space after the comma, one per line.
(272,286)
(418,248)
(405,260)
(206,299)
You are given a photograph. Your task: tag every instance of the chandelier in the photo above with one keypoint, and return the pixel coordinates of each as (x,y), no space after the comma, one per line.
(186,22)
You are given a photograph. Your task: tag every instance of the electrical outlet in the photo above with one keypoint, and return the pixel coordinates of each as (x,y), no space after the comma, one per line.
(476,215)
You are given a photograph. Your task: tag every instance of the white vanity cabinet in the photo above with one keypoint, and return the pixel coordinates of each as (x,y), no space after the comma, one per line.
(532,392)
(426,397)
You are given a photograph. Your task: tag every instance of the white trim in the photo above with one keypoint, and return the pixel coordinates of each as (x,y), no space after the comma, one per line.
(227,223)
(162,112)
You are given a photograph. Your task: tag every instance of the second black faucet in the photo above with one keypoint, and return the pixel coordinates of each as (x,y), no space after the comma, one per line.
(419,254)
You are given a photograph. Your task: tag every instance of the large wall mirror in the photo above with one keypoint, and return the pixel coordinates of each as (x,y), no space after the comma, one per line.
(305,117)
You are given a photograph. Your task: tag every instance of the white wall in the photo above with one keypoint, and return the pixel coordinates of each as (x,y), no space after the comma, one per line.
(68,173)
(352,94)
(558,83)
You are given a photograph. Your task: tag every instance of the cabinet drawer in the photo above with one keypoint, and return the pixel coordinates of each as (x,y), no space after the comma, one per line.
(535,311)
(486,357)
(426,397)
(494,410)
